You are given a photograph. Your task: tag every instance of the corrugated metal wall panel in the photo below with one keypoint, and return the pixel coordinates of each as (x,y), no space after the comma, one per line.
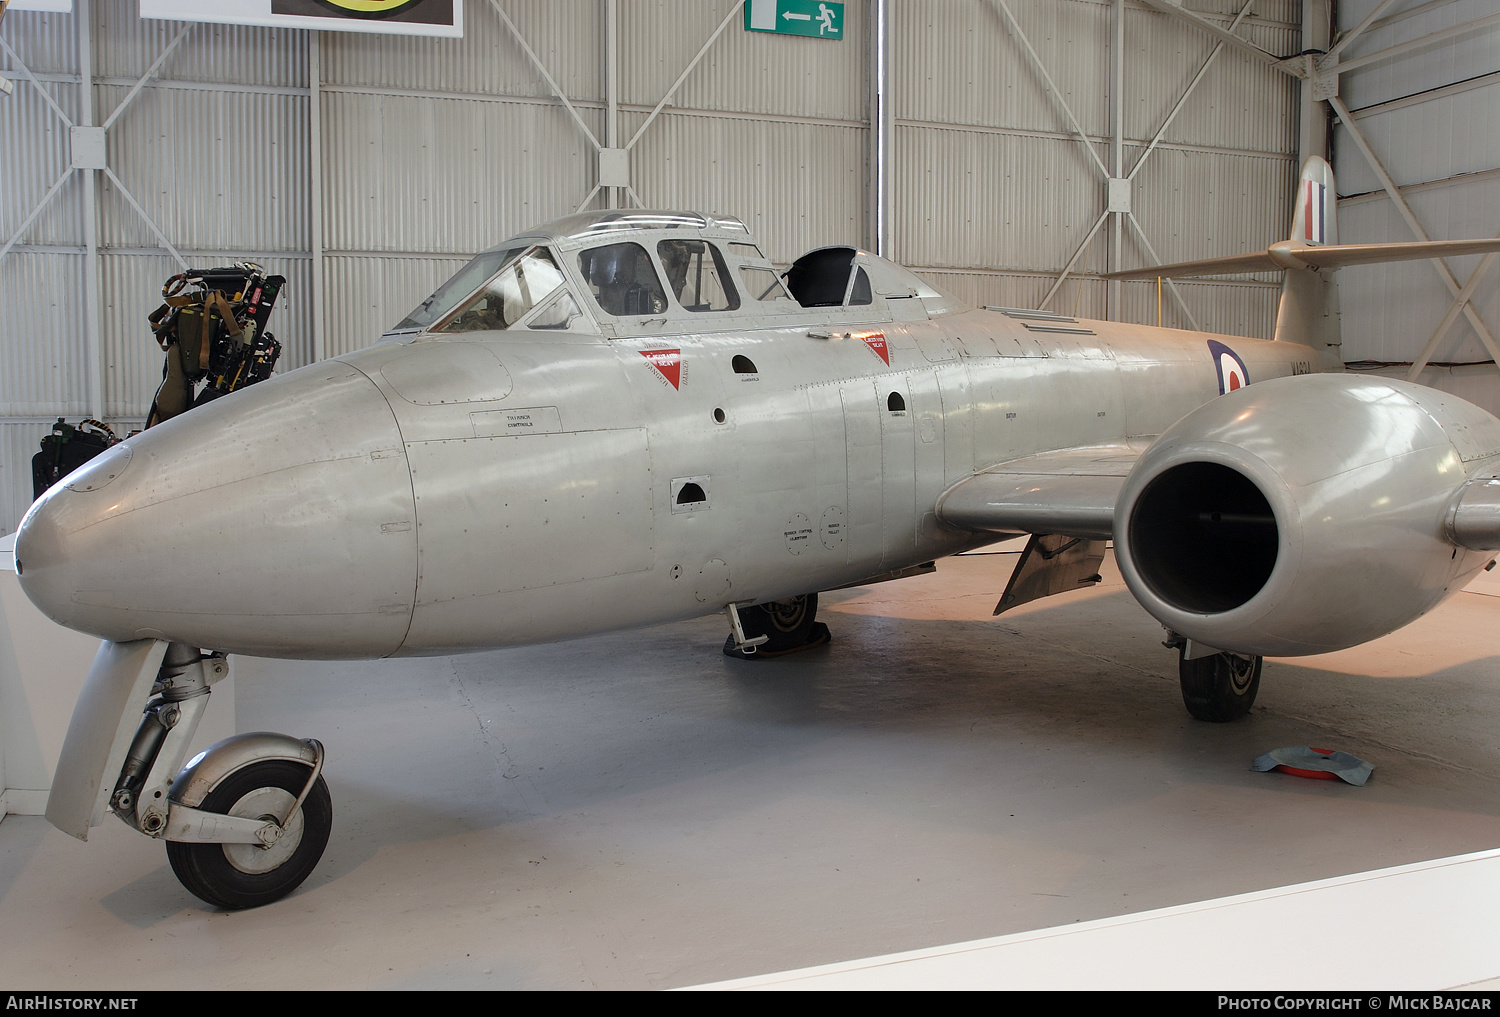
(1442,147)
(1288,12)
(125,46)
(18,443)
(133,359)
(1227,307)
(377,292)
(1389,311)
(1428,140)
(968,198)
(34,152)
(744,71)
(1458,59)
(45,368)
(797,186)
(566,35)
(47,42)
(407,174)
(1237,203)
(1241,103)
(958,63)
(214,169)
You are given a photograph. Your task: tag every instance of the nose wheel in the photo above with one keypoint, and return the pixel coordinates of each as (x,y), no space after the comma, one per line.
(236,876)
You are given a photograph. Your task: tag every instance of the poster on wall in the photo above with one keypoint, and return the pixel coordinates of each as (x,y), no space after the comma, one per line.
(386,17)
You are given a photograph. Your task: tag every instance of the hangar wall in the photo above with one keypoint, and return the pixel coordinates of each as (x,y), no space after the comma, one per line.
(366,169)
(1424,118)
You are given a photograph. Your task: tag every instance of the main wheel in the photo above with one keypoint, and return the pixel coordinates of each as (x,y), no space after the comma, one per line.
(236,876)
(791,625)
(1220,687)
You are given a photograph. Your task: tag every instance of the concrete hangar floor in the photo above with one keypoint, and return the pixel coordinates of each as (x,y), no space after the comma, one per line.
(638,811)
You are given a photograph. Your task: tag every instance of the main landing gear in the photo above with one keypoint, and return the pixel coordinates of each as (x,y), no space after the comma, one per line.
(1217,686)
(247,820)
(766,631)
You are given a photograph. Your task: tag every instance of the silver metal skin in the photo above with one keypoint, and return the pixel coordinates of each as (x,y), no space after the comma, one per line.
(289,512)
(209,768)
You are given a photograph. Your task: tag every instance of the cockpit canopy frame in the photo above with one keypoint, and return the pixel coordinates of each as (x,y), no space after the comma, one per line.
(649,272)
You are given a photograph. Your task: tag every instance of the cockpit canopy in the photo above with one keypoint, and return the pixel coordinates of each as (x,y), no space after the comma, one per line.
(606,271)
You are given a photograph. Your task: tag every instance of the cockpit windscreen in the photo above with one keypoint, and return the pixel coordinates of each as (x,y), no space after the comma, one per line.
(464,282)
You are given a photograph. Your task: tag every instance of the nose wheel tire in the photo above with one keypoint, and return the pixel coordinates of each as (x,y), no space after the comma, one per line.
(1220,687)
(236,876)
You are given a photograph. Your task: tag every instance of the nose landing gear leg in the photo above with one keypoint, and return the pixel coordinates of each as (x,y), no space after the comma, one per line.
(247,820)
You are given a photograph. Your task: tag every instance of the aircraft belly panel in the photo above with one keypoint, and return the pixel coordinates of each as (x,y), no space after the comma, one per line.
(499,516)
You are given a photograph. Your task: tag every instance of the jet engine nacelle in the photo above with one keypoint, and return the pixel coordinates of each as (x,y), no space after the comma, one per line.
(1307,514)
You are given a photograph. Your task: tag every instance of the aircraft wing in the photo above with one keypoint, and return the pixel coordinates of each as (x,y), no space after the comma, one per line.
(1070,492)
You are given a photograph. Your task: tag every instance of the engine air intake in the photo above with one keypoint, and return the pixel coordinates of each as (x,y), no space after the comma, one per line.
(1204,537)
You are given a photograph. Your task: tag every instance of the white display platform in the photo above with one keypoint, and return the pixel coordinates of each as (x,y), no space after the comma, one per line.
(1421,927)
(42,667)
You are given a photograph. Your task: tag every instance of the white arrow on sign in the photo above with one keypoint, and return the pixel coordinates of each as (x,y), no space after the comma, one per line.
(797,17)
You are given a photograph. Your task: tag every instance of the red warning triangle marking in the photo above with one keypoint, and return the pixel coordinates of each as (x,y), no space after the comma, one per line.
(668,364)
(876,342)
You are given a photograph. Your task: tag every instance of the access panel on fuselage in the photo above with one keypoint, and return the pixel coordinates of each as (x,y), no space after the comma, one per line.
(504,514)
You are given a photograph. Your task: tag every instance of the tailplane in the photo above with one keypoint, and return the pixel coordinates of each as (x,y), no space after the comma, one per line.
(1309,308)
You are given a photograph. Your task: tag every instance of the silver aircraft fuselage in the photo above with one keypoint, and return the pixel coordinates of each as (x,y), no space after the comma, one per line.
(446,492)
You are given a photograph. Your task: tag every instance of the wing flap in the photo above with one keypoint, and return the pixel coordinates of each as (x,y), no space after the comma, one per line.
(1071,492)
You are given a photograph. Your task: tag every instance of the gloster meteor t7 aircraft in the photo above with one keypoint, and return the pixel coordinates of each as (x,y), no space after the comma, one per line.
(626,418)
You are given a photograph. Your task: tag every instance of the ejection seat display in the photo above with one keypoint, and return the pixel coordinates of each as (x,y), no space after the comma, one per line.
(696,272)
(622,279)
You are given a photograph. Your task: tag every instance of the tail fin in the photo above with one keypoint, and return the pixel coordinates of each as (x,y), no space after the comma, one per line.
(1309,309)
(1315,216)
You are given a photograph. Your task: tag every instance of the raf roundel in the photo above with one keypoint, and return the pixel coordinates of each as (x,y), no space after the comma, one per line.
(1229,366)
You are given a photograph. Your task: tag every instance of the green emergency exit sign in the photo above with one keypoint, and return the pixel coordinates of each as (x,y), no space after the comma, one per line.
(816,18)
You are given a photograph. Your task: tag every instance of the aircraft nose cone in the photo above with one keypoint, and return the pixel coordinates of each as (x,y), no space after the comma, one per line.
(278,521)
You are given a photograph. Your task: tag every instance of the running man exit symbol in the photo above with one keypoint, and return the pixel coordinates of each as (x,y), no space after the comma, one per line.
(795,17)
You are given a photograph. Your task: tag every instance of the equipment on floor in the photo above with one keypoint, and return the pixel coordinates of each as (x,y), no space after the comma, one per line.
(67,448)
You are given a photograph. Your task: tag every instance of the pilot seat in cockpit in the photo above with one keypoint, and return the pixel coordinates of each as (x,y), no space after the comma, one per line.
(623,280)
